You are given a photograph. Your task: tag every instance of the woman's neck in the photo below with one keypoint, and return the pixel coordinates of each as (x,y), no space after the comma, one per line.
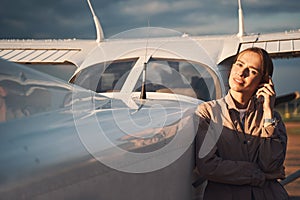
(240,99)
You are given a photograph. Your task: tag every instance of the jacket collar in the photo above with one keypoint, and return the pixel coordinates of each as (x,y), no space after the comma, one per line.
(231,105)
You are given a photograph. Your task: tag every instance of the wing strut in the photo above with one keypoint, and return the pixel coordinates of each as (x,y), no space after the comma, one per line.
(143,90)
(241,21)
(99,30)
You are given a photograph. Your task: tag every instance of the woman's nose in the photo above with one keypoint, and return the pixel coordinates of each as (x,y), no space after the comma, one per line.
(243,72)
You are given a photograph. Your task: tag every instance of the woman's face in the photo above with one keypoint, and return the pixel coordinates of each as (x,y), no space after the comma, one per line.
(246,73)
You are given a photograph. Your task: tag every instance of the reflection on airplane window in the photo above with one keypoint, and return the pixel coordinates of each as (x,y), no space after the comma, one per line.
(62,71)
(25,92)
(180,77)
(104,77)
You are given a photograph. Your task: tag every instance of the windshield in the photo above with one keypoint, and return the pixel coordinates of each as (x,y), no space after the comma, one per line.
(179,77)
(162,75)
(104,77)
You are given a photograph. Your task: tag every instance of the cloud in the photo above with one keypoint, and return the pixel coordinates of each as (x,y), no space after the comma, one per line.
(150,8)
(72,18)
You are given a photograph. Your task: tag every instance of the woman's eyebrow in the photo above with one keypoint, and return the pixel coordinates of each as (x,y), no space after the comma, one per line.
(250,66)
(255,68)
(240,61)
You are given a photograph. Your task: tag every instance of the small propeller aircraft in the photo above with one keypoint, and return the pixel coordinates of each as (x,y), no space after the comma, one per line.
(123,127)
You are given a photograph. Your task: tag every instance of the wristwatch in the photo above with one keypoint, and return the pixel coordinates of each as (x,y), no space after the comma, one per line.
(271,121)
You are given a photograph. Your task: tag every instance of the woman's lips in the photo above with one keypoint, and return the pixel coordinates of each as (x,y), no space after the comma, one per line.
(239,81)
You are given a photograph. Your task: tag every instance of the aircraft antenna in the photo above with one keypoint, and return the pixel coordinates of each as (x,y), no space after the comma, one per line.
(143,90)
(241,21)
(99,30)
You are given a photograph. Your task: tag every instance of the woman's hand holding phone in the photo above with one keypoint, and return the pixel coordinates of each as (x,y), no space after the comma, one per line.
(267,95)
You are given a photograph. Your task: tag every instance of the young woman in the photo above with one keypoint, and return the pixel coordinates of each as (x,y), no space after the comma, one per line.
(241,140)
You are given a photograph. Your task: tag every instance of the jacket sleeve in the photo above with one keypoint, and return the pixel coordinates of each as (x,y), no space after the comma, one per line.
(216,169)
(272,149)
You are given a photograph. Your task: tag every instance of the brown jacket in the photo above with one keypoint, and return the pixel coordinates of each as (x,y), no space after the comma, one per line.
(236,161)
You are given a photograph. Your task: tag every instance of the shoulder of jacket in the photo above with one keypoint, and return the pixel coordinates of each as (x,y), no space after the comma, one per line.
(206,108)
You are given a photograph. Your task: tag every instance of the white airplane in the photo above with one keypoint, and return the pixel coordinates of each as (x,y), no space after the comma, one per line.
(123,128)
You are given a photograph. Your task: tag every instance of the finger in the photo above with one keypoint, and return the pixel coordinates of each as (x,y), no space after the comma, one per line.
(265,92)
(267,86)
(260,94)
(268,92)
(270,81)
(270,89)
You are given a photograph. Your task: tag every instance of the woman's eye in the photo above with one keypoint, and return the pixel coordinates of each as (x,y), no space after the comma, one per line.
(239,64)
(253,72)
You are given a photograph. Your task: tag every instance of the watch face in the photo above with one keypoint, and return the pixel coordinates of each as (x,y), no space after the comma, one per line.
(268,120)
(272,121)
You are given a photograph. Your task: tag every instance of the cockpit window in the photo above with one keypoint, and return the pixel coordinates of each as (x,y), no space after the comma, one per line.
(180,77)
(104,77)
(162,75)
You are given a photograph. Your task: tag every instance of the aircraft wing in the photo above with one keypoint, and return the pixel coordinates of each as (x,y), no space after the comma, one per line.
(285,44)
(46,51)
(279,45)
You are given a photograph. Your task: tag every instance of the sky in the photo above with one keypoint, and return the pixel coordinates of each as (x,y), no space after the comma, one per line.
(67,19)
(43,19)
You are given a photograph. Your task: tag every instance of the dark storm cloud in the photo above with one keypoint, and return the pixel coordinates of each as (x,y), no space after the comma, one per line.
(272,7)
(37,19)
(185,16)
(272,15)
(72,18)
